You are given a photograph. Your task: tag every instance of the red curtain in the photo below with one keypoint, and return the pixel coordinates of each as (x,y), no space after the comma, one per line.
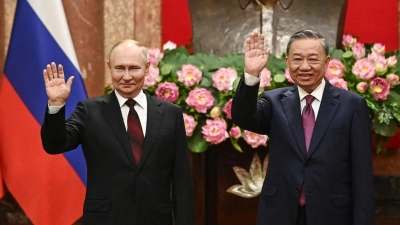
(175,22)
(373,21)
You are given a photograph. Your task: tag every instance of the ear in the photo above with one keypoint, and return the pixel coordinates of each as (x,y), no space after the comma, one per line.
(147,68)
(328,59)
(109,65)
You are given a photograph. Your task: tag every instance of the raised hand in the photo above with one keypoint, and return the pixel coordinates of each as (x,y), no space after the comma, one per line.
(255,58)
(57,90)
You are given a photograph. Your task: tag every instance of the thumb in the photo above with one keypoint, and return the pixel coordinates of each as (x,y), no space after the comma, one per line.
(69,82)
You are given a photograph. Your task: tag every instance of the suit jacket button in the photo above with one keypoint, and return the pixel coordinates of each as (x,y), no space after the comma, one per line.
(297,190)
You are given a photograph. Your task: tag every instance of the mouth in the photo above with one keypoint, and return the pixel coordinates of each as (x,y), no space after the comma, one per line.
(126,85)
(304,76)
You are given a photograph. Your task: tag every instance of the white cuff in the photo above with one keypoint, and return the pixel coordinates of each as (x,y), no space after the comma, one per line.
(251,80)
(54,109)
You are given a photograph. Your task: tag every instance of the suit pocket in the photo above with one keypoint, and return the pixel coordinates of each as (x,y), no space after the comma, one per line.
(96,205)
(269,190)
(342,200)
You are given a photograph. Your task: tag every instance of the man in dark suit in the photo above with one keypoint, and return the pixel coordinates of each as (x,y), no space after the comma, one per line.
(320,169)
(155,189)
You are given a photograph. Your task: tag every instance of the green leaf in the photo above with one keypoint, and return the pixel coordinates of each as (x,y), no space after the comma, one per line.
(165,69)
(196,142)
(348,54)
(383,129)
(235,84)
(336,53)
(279,78)
(235,144)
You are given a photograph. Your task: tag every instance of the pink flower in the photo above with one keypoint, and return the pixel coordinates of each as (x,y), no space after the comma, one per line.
(254,139)
(169,45)
(189,75)
(348,40)
(393,79)
(215,112)
(335,69)
(392,61)
(190,124)
(380,88)
(265,76)
(379,61)
(288,77)
(167,91)
(223,79)
(201,99)
(155,55)
(228,108)
(364,69)
(215,131)
(362,87)
(152,78)
(235,132)
(339,82)
(358,50)
(378,48)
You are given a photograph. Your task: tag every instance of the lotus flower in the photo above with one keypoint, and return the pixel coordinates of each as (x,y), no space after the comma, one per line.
(252,181)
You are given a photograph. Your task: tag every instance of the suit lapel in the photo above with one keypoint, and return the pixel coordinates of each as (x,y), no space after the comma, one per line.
(154,116)
(327,109)
(113,115)
(291,106)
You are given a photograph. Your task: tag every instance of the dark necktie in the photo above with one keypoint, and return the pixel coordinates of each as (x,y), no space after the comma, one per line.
(308,118)
(135,131)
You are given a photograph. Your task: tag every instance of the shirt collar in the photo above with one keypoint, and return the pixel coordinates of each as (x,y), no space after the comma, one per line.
(317,93)
(140,99)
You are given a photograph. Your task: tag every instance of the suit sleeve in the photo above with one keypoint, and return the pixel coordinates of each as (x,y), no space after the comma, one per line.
(59,135)
(182,181)
(247,111)
(361,166)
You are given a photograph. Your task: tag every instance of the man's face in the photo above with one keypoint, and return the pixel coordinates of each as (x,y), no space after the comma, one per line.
(128,69)
(307,63)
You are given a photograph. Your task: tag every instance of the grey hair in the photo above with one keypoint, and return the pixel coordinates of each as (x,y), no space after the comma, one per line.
(308,34)
(136,43)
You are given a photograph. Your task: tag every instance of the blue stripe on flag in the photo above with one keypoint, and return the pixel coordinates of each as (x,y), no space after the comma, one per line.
(31,48)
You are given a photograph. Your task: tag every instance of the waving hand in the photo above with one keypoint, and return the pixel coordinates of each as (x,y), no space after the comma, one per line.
(255,57)
(57,90)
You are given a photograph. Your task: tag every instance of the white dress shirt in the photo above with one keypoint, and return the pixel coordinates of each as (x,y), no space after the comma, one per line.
(140,107)
(317,93)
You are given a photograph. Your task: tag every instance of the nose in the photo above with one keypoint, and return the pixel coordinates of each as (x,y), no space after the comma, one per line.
(127,75)
(304,65)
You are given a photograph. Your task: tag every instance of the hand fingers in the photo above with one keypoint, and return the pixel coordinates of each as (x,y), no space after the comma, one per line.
(255,40)
(261,42)
(54,70)
(69,82)
(60,71)
(45,76)
(251,41)
(48,71)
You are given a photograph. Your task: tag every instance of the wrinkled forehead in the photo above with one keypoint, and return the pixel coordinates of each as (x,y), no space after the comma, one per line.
(309,46)
(128,48)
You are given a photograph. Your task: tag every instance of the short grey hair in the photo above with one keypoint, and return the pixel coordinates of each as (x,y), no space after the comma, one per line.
(308,34)
(136,43)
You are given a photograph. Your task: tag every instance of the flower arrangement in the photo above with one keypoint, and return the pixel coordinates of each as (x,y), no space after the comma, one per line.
(373,73)
(204,84)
